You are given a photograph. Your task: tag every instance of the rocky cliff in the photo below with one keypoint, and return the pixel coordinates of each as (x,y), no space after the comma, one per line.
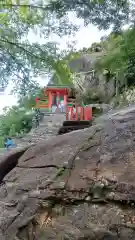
(75,186)
(89,77)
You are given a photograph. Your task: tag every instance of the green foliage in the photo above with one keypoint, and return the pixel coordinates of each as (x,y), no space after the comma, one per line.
(1,141)
(20,59)
(17,120)
(62,73)
(103,13)
(119,57)
(28,102)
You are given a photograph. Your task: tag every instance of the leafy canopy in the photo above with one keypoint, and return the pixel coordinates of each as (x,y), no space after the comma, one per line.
(17,120)
(103,13)
(119,56)
(20,59)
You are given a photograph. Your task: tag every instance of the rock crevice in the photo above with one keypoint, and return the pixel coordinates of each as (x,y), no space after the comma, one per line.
(10,161)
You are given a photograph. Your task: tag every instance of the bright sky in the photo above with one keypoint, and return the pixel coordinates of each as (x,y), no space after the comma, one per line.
(84,37)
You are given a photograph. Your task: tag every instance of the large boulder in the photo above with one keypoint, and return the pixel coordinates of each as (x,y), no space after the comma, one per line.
(80,185)
(89,77)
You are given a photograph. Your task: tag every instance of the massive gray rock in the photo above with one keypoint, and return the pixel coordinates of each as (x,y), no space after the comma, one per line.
(88,77)
(77,186)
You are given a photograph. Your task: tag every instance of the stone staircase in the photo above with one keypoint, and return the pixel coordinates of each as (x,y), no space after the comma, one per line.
(47,129)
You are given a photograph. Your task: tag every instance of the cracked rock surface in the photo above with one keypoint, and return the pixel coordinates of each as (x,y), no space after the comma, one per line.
(78,186)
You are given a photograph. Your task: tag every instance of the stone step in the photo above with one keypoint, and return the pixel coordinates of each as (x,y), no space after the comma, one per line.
(46,130)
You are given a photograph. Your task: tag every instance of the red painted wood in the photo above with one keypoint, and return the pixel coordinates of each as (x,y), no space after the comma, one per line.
(56,90)
(85,113)
(81,113)
(36,99)
(76,114)
(88,113)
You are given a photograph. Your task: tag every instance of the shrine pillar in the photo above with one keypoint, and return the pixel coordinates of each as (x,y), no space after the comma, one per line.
(65,99)
(49,100)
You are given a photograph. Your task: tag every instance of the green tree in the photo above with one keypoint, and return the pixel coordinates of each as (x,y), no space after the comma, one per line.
(102,13)
(20,59)
(119,57)
(17,119)
(28,101)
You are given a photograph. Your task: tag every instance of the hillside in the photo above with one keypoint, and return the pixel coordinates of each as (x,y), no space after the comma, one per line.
(104,72)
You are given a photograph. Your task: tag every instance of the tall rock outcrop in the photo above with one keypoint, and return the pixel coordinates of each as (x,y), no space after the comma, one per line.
(87,76)
(76,186)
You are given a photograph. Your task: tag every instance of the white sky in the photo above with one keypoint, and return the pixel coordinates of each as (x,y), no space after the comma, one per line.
(84,37)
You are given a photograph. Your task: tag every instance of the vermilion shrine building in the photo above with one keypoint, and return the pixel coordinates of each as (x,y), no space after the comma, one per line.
(52,96)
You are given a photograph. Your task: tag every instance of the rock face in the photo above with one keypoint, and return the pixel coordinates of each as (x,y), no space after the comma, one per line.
(89,77)
(78,186)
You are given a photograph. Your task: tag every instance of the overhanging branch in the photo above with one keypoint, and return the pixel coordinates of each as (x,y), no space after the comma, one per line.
(22,5)
(20,46)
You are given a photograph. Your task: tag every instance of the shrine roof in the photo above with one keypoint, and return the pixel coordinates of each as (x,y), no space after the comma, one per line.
(51,86)
(58,88)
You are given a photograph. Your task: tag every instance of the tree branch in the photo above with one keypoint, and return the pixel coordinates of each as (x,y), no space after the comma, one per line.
(23,5)
(22,48)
